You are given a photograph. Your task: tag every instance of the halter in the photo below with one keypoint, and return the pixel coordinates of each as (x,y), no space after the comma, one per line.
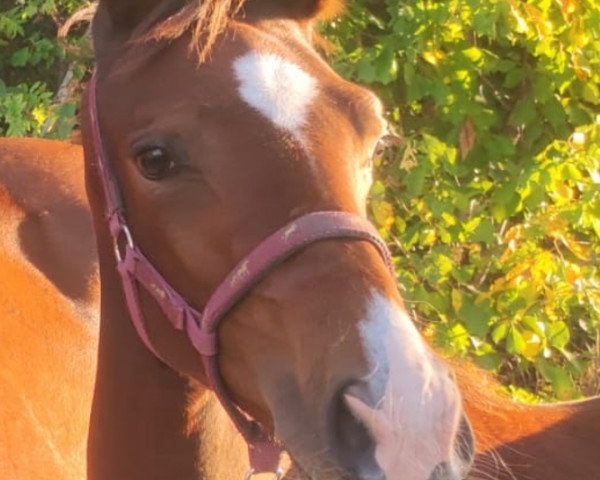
(137,272)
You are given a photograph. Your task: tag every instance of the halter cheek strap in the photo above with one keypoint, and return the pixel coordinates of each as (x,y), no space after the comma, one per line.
(137,272)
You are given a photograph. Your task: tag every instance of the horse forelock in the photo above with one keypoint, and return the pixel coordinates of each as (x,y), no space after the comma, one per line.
(208,19)
(204,21)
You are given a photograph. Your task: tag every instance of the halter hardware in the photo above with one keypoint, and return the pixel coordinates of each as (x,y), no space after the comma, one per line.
(123,233)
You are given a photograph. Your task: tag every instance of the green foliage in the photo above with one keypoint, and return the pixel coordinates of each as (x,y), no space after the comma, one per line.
(33,64)
(492,202)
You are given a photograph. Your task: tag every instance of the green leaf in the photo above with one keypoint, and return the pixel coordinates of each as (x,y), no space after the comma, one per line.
(489,361)
(386,65)
(476,316)
(366,70)
(500,332)
(415,180)
(555,113)
(505,201)
(558,334)
(484,232)
(524,113)
(590,93)
(534,325)
(515,343)
(561,381)
(21,57)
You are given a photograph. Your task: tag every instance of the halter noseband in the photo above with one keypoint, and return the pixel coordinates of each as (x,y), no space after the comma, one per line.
(202,327)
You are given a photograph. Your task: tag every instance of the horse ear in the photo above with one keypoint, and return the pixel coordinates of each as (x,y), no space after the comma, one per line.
(296,9)
(128,14)
(118,21)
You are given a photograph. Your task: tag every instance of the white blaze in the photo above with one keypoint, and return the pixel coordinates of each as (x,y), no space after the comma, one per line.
(414,422)
(277,88)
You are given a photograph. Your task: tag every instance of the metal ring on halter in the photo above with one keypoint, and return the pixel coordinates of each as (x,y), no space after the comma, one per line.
(128,238)
(251,473)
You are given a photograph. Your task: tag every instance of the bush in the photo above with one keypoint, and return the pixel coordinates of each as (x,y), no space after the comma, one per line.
(492,202)
(34,66)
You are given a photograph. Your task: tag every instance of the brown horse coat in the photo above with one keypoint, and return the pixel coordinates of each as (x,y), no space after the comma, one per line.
(49,314)
(524,442)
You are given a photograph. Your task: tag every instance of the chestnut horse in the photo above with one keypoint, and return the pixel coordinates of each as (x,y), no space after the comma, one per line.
(211,150)
(211,158)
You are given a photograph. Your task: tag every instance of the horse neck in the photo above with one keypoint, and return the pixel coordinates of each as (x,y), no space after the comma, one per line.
(516,441)
(138,421)
(553,442)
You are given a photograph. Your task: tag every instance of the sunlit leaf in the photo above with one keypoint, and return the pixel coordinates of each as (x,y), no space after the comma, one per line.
(500,332)
(533,345)
(561,381)
(558,334)
(515,343)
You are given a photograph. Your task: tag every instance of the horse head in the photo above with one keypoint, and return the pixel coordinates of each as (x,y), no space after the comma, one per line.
(222,124)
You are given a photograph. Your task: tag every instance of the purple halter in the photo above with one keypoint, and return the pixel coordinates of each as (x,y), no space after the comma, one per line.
(137,271)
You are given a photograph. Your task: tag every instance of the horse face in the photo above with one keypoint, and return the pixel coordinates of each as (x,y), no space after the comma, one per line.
(211,159)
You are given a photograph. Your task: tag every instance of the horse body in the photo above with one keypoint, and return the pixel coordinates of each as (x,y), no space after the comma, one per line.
(49,304)
(529,442)
(553,442)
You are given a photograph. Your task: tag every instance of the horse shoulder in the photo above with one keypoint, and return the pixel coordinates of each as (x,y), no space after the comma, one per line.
(48,310)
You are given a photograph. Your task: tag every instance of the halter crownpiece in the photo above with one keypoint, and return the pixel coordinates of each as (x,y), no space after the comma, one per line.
(136,272)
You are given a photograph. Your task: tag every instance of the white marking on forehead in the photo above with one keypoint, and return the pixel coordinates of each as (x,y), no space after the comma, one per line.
(411,406)
(279,89)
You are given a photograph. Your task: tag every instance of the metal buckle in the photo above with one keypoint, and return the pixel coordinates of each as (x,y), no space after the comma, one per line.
(124,231)
(278,475)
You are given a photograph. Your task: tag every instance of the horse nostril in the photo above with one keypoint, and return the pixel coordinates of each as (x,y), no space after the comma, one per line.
(465,453)
(441,472)
(351,441)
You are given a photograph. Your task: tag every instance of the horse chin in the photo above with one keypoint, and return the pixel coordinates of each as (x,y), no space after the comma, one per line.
(457,468)
(297,472)
(325,470)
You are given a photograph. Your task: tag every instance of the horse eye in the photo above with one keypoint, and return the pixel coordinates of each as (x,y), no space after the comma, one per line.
(384,143)
(380,148)
(155,163)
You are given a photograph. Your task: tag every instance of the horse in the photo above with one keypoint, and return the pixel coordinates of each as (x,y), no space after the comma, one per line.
(152,421)
(226,168)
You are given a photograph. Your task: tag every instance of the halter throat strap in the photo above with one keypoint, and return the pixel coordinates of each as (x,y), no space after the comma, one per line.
(137,272)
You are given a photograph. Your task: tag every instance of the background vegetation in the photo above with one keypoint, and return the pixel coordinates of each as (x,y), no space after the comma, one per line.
(39,75)
(491,202)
